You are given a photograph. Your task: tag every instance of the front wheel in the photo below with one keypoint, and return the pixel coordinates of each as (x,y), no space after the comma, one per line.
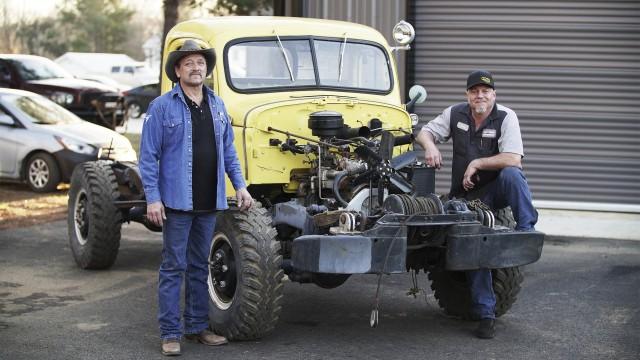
(93,221)
(451,288)
(42,172)
(245,275)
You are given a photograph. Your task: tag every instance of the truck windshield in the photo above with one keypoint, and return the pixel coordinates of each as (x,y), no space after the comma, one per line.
(39,69)
(40,110)
(255,65)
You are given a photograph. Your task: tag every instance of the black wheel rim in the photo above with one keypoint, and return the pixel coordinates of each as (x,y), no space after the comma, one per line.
(222,272)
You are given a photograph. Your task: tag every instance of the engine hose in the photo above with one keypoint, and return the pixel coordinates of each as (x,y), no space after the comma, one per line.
(336,187)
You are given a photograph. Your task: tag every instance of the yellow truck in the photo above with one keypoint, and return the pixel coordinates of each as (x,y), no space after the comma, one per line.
(324,140)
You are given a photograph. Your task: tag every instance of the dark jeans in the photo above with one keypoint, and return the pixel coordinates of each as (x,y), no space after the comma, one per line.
(509,189)
(186,241)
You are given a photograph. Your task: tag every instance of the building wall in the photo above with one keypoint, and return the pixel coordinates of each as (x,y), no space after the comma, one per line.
(570,70)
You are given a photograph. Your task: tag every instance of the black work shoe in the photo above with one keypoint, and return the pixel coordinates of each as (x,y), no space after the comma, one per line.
(486,329)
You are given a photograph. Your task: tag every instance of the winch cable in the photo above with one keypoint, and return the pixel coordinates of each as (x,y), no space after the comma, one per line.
(373,319)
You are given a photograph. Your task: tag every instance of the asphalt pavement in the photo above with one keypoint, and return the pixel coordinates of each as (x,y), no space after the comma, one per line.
(580,301)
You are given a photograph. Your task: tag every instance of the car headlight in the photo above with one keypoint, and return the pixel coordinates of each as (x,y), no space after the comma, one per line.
(414,119)
(62,98)
(76,146)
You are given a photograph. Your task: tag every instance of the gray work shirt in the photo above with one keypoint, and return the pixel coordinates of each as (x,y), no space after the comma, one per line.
(510,140)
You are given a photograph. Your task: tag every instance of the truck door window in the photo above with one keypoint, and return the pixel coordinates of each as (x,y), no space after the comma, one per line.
(115,69)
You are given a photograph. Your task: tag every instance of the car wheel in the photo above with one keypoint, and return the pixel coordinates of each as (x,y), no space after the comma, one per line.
(42,173)
(134,110)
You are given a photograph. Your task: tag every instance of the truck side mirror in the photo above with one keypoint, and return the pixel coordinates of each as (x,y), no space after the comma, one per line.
(417,95)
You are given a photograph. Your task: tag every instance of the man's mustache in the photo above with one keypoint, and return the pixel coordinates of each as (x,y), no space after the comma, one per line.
(195,73)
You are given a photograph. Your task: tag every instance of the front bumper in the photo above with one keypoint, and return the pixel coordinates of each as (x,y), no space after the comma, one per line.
(469,246)
(67,160)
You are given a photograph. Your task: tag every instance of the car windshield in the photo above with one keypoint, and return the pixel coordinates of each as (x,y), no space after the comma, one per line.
(286,63)
(40,110)
(39,69)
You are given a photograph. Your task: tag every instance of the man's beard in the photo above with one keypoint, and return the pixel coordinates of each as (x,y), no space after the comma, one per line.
(481,109)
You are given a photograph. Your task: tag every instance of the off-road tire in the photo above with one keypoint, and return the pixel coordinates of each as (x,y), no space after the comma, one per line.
(452,290)
(42,172)
(93,221)
(251,307)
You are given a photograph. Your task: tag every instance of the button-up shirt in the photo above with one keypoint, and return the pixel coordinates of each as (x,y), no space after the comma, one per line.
(166,151)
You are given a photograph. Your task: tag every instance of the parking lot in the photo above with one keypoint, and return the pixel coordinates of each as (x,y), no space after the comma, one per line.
(580,301)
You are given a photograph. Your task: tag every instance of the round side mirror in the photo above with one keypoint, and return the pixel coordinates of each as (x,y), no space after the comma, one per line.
(419,93)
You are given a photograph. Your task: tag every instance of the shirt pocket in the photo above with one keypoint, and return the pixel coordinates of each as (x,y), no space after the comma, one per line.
(173,126)
(460,143)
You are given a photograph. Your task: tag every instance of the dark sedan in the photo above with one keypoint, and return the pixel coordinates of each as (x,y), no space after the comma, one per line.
(137,99)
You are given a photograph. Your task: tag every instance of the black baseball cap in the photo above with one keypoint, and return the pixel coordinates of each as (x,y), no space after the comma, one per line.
(478,77)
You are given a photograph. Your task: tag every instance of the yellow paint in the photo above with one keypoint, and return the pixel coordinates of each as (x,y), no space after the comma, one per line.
(252,114)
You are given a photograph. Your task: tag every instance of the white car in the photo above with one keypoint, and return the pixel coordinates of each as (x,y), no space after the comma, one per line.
(41,142)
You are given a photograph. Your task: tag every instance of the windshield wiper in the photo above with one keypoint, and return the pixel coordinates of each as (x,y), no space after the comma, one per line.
(342,47)
(286,59)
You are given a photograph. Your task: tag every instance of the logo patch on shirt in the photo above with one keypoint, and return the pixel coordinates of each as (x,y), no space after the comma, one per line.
(462,126)
(489,133)
(147,117)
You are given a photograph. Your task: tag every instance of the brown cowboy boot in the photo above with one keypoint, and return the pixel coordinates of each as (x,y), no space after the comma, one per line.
(207,337)
(171,347)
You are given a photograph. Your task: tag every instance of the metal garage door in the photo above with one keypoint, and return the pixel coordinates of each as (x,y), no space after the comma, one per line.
(570,70)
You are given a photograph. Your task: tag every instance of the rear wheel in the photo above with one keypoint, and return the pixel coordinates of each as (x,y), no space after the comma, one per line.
(93,221)
(245,275)
(451,288)
(42,173)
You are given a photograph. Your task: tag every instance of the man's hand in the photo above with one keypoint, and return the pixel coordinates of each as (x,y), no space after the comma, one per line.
(245,201)
(433,156)
(431,153)
(470,175)
(155,213)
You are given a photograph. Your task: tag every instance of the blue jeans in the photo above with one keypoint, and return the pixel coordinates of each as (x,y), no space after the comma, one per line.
(509,189)
(186,240)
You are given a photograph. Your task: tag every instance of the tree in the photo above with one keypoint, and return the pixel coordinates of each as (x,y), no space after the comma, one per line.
(42,36)
(99,25)
(243,7)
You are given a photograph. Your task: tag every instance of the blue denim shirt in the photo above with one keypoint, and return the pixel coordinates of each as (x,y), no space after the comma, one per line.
(166,151)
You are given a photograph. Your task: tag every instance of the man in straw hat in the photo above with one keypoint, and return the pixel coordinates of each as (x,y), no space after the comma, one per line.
(185,149)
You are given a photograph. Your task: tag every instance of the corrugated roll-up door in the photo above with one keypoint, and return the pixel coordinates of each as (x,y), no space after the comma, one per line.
(570,70)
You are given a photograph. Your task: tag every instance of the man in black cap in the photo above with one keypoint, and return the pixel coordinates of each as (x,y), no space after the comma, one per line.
(487,153)
(185,149)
